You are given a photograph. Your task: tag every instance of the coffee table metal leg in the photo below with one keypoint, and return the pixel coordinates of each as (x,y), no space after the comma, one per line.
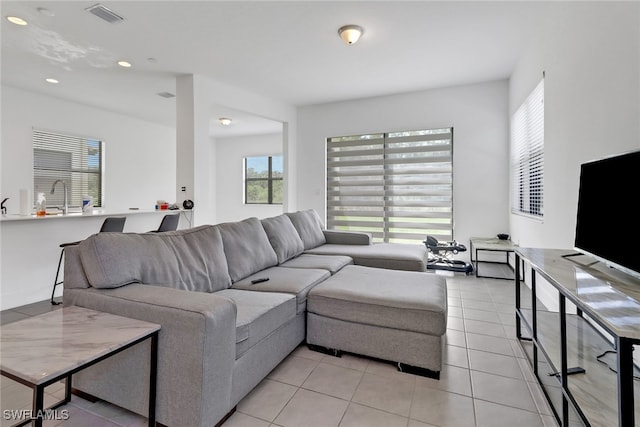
(152,379)
(38,406)
(67,389)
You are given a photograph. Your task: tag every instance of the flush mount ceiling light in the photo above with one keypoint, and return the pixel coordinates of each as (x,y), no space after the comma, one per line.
(16,20)
(350,33)
(124,64)
(52,80)
(224,121)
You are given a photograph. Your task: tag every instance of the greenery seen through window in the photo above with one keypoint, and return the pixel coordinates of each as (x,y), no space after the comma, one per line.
(263,180)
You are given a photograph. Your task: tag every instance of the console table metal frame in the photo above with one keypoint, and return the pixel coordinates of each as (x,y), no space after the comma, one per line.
(623,345)
(508,248)
(38,389)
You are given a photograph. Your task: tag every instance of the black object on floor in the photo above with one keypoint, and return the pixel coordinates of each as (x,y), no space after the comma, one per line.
(440,256)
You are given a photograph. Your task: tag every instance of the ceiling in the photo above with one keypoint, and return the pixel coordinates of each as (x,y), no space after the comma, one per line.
(287,50)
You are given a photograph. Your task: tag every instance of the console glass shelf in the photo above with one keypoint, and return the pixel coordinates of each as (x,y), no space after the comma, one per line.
(555,341)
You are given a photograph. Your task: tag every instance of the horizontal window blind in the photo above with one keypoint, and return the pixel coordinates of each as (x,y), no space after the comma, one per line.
(527,155)
(75,160)
(397,186)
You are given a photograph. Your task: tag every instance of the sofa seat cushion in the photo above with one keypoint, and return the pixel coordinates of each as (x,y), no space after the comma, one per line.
(309,227)
(295,281)
(392,256)
(191,259)
(283,237)
(331,263)
(258,315)
(403,300)
(247,248)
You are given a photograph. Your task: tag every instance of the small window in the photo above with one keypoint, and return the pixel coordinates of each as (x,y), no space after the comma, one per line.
(75,160)
(527,155)
(263,180)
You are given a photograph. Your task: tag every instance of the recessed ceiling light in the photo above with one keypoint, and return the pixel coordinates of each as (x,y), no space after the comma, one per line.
(124,64)
(52,80)
(225,121)
(16,20)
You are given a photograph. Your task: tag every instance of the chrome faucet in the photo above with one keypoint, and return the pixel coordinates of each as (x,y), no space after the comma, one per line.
(65,208)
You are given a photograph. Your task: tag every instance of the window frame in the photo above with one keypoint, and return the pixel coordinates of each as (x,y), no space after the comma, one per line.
(269,180)
(397,186)
(527,156)
(86,157)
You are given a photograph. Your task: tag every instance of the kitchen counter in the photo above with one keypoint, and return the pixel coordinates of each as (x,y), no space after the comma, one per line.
(97,212)
(30,247)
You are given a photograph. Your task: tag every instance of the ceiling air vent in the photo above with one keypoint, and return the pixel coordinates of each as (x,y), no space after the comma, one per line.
(105,13)
(166,95)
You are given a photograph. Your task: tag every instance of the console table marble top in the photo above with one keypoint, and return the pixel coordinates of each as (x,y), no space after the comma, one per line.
(47,346)
(607,295)
(492,244)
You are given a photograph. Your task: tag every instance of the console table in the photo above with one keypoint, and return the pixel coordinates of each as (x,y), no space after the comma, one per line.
(587,375)
(490,244)
(44,349)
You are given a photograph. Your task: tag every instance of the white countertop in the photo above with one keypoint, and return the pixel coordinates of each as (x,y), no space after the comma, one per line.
(97,212)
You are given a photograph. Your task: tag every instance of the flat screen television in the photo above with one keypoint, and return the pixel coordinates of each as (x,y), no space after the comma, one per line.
(608,219)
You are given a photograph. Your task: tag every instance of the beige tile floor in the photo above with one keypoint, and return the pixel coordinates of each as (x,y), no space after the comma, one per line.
(485,380)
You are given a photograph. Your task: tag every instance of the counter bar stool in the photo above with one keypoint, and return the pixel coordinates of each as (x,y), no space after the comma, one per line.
(110,225)
(169,223)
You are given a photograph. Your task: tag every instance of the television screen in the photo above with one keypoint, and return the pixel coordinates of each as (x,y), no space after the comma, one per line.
(608,220)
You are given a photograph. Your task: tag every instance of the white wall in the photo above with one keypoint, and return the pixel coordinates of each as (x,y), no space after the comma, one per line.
(230,153)
(139,155)
(478,114)
(201,94)
(590,52)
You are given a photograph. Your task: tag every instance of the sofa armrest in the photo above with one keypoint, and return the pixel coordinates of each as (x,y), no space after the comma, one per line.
(196,353)
(74,276)
(337,237)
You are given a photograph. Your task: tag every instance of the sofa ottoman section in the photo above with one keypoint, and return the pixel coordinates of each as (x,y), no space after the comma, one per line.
(399,316)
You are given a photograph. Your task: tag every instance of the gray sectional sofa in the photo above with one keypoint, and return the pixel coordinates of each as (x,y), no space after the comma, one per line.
(222,333)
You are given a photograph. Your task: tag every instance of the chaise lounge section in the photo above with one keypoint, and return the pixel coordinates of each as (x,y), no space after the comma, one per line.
(222,333)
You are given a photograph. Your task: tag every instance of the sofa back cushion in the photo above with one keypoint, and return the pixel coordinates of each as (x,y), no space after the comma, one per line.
(246,247)
(191,259)
(309,228)
(283,236)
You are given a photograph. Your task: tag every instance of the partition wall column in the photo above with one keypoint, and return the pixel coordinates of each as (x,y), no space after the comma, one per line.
(195,151)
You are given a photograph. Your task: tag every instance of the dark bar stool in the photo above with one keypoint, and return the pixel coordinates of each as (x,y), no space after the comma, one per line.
(169,223)
(110,225)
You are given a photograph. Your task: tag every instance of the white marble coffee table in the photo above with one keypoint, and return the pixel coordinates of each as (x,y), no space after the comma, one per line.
(44,349)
